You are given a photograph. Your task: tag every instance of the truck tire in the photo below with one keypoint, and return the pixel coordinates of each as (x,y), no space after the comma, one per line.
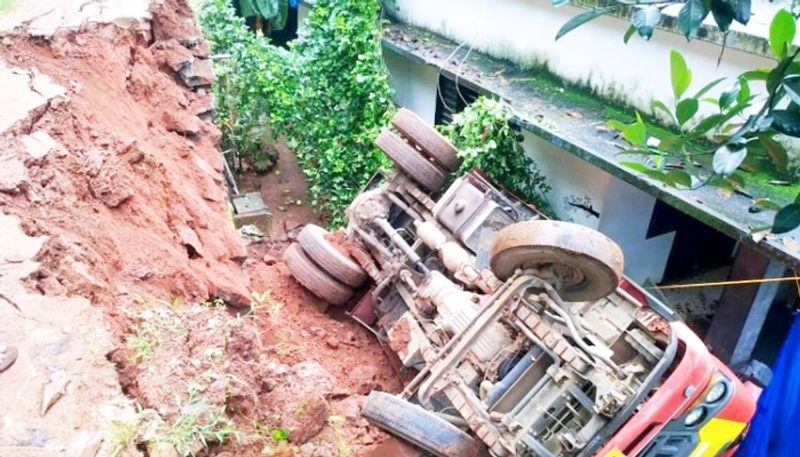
(418,426)
(313,239)
(313,278)
(411,162)
(425,136)
(590,264)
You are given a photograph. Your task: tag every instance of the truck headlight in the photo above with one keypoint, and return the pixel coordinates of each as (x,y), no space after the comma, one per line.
(695,416)
(717,392)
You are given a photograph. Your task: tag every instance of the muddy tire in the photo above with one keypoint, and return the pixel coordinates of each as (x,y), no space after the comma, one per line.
(589,263)
(411,162)
(425,136)
(418,426)
(313,278)
(313,240)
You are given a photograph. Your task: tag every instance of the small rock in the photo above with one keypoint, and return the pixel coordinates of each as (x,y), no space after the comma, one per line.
(192,242)
(13,175)
(332,343)
(308,419)
(280,450)
(270,260)
(172,54)
(38,144)
(198,73)
(181,123)
(85,444)
(55,388)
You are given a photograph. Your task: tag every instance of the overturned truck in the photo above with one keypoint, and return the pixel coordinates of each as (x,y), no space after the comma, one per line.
(525,338)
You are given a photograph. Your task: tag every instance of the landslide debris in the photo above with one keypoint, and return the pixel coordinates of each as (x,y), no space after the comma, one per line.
(122,280)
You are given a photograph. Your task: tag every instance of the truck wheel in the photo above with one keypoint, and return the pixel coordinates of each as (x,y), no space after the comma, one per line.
(411,161)
(313,239)
(418,426)
(588,263)
(313,278)
(425,136)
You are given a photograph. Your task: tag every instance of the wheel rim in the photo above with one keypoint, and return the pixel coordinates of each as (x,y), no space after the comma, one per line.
(587,264)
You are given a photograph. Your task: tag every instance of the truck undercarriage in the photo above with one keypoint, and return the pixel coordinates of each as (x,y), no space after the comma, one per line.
(523,342)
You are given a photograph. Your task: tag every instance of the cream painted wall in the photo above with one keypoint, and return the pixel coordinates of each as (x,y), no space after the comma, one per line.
(415,85)
(523,31)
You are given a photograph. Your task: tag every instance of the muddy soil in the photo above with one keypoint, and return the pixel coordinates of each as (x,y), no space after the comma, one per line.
(128,199)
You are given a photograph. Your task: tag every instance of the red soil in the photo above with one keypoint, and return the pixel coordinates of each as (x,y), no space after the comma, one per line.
(120,200)
(133,205)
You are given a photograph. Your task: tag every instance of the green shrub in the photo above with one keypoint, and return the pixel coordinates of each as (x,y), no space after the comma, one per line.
(486,140)
(329,95)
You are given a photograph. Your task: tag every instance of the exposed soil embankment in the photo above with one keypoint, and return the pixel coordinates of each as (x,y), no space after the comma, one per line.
(111,180)
(129,190)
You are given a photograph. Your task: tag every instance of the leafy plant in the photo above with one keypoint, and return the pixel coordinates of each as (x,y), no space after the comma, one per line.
(198,423)
(747,133)
(328,96)
(647,14)
(279,434)
(486,140)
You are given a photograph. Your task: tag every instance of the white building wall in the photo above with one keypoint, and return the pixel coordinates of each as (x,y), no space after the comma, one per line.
(594,54)
(415,85)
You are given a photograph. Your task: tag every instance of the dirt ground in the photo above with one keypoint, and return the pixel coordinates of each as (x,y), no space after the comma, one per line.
(143,321)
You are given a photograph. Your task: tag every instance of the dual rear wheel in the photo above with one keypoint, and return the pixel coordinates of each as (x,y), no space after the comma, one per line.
(322,267)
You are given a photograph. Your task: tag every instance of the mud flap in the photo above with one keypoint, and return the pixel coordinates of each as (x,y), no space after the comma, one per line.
(418,426)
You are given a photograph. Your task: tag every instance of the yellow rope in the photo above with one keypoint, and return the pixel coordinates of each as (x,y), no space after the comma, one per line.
(739,282)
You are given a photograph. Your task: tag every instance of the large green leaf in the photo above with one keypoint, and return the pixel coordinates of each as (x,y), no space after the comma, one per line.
(635,133)
(680,73)
(786,122)
(645,19)
(704,126)
(729,96)
(628,34)
(787,219)
(781,33)
(691,16)
(744,90)
(776,152)
(723,13)
(792,86)
(677,178)
(686,109)
(741,10)
(707,88)
(659,105)
(583,18)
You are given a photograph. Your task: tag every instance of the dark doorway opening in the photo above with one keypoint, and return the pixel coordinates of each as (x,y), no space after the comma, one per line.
(452,98)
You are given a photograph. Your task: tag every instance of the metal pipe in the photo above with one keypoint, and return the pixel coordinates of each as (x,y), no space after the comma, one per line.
(499,389)
(410,211)
(398,241)
(558,306)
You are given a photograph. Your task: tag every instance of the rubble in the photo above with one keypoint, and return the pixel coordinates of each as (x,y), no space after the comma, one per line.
(113,205)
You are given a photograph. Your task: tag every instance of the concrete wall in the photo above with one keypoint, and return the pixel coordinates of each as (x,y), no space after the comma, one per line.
(415,85)
(523,31)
